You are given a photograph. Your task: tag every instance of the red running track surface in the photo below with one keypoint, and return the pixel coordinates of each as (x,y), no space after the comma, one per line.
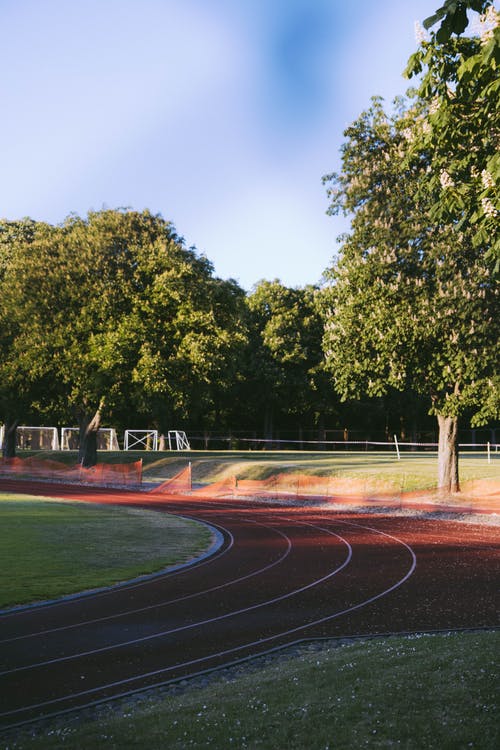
(281,575)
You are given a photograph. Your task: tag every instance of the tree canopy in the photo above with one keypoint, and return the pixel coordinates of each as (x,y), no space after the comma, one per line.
(460,88)
(112,313)
(287,373)
(412,302)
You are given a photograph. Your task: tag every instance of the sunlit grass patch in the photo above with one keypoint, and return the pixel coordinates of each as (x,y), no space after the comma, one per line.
(50,548)
(414,692)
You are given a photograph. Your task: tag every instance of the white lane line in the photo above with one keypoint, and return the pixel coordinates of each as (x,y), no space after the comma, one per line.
(161,634)
(226,652)
(168,602)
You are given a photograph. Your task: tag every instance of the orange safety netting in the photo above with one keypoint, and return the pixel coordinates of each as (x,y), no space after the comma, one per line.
(177,485)
(222,488)
(482,497)
(286,485)
(45,468)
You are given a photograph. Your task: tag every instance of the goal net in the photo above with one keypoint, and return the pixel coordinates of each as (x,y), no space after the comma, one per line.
(37,438)
(140,440)
(178,441)
(107,439)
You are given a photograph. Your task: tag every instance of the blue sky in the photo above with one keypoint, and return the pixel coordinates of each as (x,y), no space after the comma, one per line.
(221,115)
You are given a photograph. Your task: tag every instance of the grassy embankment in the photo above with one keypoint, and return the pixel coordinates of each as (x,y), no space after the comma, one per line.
(433,692)
(415,471)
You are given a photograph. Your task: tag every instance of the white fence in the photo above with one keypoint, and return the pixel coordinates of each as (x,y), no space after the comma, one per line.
(47,438)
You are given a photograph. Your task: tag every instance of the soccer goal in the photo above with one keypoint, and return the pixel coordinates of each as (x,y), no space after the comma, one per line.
(178,440)
(37,438)
(107,439)
(140,440)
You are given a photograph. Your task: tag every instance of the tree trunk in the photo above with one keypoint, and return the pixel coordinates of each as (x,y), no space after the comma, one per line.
(9,439)
(87,452)
(448,454)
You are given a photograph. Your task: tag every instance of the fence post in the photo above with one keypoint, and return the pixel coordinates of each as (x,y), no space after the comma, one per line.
(397,447)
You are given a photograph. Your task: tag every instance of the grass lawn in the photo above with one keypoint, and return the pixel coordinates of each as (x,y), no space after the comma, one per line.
(435,692)
(50,548)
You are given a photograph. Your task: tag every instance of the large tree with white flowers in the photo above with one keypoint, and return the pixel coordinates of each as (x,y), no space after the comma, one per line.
(412,303)
(456,67)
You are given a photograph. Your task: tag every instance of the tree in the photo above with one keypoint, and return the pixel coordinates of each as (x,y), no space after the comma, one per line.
(460,86)
(112,313)
(13,236)
(192,332)
(412,303)
(286,374)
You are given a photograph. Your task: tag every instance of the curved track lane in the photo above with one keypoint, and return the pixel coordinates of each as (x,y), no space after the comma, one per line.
(281,575)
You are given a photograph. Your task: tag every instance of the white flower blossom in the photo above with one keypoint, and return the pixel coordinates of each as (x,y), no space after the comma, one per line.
(485,25)
(487,179)
(445,180)
(488,208)
(434,106)
(420,33)
(490,22)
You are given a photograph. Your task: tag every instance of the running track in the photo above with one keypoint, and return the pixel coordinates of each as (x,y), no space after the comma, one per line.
(279,575)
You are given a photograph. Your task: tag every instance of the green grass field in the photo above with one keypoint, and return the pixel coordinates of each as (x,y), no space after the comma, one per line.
(50,548)
(433,692)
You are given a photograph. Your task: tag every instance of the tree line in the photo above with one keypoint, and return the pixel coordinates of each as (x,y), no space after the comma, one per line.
(111,320)
(111,315)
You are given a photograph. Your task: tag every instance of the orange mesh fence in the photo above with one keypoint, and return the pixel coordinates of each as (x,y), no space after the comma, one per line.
(301,487)
(177,485)
(123,474)
(480,497)
(222,488)
(43,468)
(484,488)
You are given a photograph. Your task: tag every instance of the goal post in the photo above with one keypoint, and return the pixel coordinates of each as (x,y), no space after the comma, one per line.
(37,438)
(140,440)
(107,439)
(178,440)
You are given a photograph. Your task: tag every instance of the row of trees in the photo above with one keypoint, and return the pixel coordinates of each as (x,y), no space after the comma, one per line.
(112,319)
(111,316)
